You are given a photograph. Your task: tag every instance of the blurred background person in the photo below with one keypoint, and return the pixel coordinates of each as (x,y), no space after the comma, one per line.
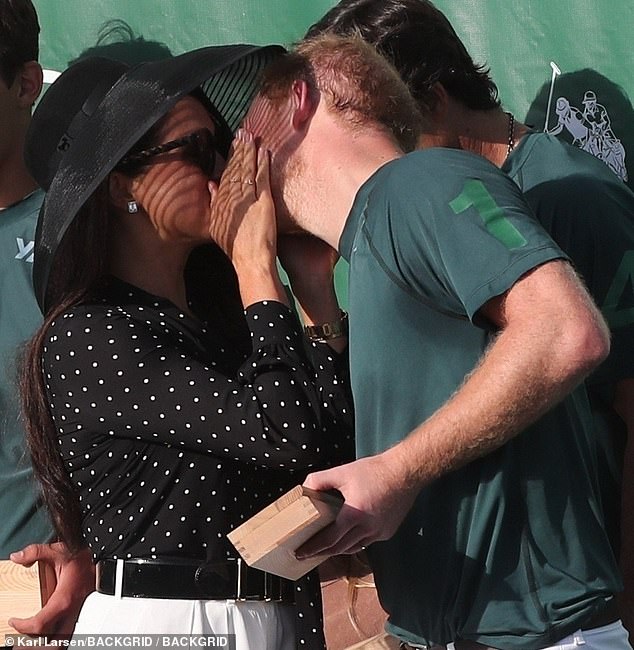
(23,521)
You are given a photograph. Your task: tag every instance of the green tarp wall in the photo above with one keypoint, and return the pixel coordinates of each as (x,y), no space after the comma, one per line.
(542,53)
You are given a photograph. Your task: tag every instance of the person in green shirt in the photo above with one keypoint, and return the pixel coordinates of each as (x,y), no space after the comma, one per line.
(580,202)
(20,200)
(475,489)
(24,522)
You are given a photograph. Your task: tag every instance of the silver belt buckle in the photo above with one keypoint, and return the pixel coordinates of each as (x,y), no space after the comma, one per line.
(241,576)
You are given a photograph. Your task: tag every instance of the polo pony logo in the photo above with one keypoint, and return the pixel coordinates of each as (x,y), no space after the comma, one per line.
(590,128)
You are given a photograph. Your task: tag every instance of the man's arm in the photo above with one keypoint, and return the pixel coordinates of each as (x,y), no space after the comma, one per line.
(624,406)
(75,575)
(551,336)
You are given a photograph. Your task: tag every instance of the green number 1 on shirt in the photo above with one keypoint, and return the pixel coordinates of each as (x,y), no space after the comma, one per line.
(476,195)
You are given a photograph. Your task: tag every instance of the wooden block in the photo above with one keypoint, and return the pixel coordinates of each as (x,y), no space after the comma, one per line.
(23,592)
(269,539)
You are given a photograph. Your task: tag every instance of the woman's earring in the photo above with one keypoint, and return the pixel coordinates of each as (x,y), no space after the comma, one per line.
(133,207)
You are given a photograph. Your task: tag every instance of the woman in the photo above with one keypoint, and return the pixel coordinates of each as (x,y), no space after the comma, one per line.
(161,416)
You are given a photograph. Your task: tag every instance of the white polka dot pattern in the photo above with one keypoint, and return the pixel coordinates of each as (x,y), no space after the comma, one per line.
(171,437)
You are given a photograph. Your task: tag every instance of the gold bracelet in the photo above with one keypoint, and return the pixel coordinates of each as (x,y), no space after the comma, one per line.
(328,331)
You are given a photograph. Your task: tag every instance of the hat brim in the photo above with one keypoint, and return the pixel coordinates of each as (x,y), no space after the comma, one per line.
(227,74)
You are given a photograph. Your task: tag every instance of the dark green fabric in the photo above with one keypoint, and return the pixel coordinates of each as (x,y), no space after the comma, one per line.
(517,40)
(510,550)
(589,212)
(22,522)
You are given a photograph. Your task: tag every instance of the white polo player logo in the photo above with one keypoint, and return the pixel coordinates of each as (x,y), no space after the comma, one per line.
(590,128)
(591,131)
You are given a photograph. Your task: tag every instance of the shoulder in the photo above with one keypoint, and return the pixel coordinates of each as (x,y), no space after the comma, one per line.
(22,216)
(88,319)
(33,202)
(551,171)
(578,178)
(29,206)
(550,157)
(437,176)
(97,332)
(438,161)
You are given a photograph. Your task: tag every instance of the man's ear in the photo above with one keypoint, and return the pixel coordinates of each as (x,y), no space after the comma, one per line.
(437,100)
(303,104)
(30,79)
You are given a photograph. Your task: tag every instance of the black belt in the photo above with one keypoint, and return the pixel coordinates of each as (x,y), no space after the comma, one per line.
(187,579)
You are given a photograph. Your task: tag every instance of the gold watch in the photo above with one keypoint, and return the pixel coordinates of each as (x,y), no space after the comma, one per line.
(328,331)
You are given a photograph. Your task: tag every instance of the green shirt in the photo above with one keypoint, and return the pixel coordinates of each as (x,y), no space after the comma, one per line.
(589,212)
(509,550)
(22,521)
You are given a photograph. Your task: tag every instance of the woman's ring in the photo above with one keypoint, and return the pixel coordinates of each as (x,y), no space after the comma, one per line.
(249,181)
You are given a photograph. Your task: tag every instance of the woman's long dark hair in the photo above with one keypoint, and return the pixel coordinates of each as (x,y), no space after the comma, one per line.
(79,264)
(86,267)
(79,267)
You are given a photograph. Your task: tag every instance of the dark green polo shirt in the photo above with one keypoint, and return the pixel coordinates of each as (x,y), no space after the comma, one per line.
(22,522)
(510,550)
(589,212)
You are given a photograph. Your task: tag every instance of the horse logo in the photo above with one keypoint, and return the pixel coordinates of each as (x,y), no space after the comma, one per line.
(590,128)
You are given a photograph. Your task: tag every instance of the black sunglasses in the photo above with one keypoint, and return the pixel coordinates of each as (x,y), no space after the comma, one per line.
(198,147)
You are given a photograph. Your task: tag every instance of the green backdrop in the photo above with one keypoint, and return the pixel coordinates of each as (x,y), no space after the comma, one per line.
(542,54)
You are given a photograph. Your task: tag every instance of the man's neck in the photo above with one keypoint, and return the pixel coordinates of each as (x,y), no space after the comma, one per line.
(337,163)
(488,133)
(15,180)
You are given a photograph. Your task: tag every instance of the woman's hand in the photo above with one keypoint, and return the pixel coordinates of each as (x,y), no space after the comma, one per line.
(242,211)
(74,580)
(243,221)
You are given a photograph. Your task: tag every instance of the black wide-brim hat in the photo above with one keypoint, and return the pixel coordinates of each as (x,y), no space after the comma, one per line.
(97,109)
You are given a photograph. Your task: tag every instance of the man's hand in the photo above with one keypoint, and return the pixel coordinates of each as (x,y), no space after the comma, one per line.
(309,264)
(75,576)
(377,499)
(551,336)
(306,259)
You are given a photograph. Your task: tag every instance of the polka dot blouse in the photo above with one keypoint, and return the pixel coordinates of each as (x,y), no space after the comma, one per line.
(172,437)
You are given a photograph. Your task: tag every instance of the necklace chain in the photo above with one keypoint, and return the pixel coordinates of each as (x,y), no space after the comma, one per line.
(511,142)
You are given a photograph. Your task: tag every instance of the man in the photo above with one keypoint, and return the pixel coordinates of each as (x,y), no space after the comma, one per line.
(582,204)
(20,199)
(467,330)
(23,522)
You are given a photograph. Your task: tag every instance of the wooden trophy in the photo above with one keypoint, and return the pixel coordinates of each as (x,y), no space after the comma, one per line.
(269,539)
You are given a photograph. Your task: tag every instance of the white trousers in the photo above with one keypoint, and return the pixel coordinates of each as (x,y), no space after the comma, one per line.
(256,625)
(609,637)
